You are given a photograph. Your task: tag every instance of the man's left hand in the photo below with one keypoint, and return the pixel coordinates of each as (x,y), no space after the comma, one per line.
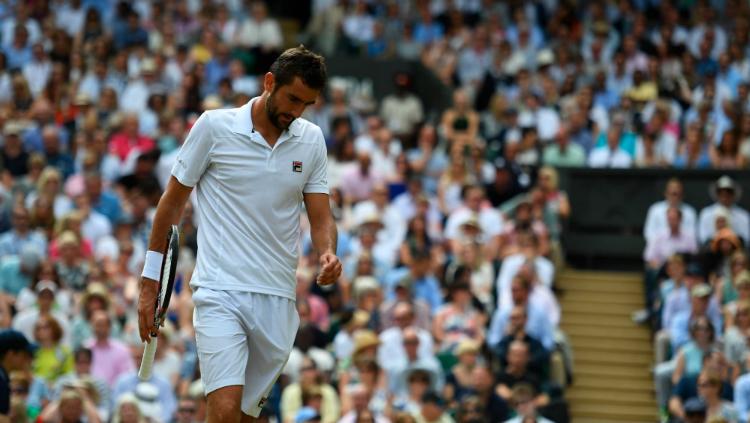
(330,269)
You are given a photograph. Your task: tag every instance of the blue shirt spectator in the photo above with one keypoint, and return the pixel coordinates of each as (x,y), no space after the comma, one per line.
(423,286)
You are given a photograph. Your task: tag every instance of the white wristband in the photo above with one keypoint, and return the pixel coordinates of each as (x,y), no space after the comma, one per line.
(152,265)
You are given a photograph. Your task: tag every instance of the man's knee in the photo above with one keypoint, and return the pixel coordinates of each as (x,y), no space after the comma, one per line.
(224,405)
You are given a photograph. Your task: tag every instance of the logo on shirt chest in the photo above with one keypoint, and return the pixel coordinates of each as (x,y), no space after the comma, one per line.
(297,167)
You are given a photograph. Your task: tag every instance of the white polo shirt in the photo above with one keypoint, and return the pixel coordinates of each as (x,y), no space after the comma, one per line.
(249,199)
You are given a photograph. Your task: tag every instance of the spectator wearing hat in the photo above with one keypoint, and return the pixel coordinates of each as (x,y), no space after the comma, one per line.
(95,298)
(677,297)
(725,192)
(398,370)
(45,306)
(15,355)
(311,383)
(459,382)
(393,225)
(156,396)
(699,307)
(344,343)
(21,235)
(127,409)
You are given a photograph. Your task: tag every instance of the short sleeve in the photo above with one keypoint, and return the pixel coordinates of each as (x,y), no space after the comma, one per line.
(194,155)
(317,182)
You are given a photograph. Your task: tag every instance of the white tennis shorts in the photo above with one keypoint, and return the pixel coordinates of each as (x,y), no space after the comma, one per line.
(243,338)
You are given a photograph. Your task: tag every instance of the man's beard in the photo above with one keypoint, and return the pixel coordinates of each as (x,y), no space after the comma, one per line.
(273,113)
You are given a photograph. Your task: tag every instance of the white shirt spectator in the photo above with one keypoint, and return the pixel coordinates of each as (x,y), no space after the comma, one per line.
(9,27)
(739,220)
(135,96)
(391,348)
(490,221)
(604,157)
(265,34)
(95,227)
(70,19)
(544,269)
(37,74)
(359,27)
(656,219)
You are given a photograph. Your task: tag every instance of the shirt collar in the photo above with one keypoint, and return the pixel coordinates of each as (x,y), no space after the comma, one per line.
(243,122)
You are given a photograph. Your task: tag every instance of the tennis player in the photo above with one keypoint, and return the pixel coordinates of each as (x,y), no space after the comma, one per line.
(252,168)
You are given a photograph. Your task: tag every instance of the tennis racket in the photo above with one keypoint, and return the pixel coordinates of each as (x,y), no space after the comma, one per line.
(166,283)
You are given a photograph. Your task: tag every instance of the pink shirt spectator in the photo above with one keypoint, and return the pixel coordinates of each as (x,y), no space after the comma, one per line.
(666,244)
(121,145)
(357,185)
(110,360)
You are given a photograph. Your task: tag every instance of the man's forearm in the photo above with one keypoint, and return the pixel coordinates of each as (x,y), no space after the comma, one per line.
(324,237)
(168,213)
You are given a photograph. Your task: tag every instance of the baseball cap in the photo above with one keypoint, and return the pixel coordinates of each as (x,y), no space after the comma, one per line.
(306,414)
(13,340)
(701,290)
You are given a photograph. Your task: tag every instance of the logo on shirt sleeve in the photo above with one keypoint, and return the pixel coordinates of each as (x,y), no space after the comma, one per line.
(297,167)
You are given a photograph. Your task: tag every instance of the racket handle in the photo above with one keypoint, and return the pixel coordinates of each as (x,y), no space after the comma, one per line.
(147,363)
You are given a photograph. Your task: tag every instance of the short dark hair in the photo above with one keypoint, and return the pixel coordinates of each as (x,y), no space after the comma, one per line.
(300,62)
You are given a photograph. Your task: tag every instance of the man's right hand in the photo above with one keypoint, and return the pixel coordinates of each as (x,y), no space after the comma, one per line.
(146,308)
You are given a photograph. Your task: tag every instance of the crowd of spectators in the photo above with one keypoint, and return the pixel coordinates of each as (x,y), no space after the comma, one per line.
(450,221)
(697,291)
